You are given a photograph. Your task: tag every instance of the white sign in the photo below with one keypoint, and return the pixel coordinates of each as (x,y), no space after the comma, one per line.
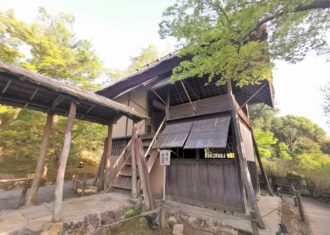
(165,157)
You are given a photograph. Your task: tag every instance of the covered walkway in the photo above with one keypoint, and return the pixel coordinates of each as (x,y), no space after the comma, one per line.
(22,88)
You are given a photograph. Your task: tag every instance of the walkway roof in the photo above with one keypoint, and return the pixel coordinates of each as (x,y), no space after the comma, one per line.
(22,88)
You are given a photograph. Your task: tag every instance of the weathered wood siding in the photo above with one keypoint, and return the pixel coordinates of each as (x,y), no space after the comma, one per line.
(136,100)
(212,183)
(211,105)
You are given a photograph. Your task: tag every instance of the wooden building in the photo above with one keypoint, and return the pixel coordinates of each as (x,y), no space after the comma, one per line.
(206,127)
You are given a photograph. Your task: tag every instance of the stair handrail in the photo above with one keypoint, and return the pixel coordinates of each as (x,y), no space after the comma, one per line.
(114,171)
(154,138)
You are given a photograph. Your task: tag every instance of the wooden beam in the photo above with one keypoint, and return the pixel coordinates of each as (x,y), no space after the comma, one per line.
(6,87)
(158,96)
(262,170)
(63,162)
(31,98)
(56,102)
(246,177)
(251,97)
(185,90)
(41,159)
(88,110)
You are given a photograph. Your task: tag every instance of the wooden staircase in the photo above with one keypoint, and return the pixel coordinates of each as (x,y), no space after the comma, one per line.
(123,181)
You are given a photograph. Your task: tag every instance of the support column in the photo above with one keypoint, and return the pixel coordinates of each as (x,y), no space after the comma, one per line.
(261,166)
(108,156)
(254,210)
(63,162)
(133,159)
(41,159)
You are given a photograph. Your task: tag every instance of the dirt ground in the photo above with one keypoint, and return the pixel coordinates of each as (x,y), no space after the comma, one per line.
(316,212)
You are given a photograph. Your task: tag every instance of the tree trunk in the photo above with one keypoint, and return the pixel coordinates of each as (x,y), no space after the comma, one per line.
(63,161)
(41,159)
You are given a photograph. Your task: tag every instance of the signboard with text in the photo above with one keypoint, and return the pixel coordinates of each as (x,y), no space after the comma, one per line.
(165,157)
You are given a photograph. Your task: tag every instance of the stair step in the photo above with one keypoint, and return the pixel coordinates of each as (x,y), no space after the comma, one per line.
(123,183)
(128,172)
(121,186)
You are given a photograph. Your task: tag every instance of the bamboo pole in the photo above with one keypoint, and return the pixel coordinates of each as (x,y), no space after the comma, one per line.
(41,159)
(254,210)
(63,162)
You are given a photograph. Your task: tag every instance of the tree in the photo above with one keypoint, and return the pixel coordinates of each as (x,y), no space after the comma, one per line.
(227,39)
(297,133)
(147,56)
(48,46)
(52,48)
(262,116)
(326,105)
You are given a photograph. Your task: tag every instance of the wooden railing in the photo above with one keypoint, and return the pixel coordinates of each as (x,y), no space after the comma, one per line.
(114,172)
(155,137)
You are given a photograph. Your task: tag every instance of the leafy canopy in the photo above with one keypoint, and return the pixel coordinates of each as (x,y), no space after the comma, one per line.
(50,47)
(228,37)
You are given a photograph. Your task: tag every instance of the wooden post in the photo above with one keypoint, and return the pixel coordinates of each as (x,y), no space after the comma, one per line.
(24,192)
(262,170)
(254,210)
(133,159)
(108,157)
(63,161)
(41,159)
(102,166)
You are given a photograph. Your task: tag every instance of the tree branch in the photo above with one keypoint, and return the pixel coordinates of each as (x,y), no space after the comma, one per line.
(317,4)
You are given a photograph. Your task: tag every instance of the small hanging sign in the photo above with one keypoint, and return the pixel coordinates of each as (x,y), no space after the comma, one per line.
(165,157)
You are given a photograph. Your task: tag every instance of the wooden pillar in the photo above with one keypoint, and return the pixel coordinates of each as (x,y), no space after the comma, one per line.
(108,156)
(246,177)
(102,166)
(41,159)
(133,159)
(63,161)
(262,170)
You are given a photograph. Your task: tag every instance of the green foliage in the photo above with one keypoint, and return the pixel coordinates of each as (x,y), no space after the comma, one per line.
(316,167)
(265,141)
(292,145)
(48,46)
(222,38)
(293,131)
(147,56)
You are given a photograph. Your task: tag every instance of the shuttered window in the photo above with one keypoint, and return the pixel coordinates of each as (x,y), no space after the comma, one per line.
(174,135)
(209,133)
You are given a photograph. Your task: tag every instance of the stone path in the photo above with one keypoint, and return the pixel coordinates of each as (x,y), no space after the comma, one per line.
(74,209)
(9,199)
(270,209)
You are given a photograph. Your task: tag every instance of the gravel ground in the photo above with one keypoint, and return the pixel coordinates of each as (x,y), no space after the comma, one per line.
(9,199)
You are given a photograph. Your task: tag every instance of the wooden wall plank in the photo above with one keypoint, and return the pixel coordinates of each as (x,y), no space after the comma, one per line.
(212,183)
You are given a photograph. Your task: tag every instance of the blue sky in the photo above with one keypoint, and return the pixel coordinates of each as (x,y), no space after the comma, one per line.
(120,28)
